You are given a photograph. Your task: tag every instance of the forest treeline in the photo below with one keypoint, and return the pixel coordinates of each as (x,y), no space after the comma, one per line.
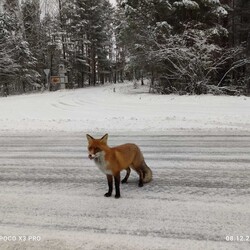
(179,46)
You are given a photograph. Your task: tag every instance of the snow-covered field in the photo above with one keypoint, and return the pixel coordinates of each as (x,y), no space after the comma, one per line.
(101,110)
(197,146)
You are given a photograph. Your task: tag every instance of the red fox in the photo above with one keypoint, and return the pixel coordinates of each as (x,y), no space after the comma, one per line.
(111,161)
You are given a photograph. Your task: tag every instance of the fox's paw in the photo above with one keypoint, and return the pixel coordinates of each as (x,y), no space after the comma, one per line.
(124,181)
(140,184)
(117,196)
(107,195)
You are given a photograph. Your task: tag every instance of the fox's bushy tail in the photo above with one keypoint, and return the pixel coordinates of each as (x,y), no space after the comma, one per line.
(147,173)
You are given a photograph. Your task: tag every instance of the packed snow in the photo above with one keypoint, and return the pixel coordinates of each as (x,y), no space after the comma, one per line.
(198,148)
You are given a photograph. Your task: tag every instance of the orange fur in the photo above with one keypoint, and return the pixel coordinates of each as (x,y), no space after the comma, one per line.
(113,160)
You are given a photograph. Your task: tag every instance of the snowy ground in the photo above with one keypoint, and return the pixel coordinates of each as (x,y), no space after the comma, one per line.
(197,147)
(101,110)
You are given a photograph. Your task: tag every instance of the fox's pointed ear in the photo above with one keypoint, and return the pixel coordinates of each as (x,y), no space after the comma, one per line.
(105,138)
(90,138)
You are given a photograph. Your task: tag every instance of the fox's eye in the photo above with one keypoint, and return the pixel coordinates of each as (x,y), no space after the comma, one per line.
(90,148)
(96,149)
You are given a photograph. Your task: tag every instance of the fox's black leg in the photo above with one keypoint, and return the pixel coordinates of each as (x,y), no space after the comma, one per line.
(110,184)
(127,175)
(140,172)
(117,185)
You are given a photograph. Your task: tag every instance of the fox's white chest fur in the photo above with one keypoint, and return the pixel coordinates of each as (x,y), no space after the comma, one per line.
(101,163)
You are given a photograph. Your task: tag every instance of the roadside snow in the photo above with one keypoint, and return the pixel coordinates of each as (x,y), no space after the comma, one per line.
(101,109)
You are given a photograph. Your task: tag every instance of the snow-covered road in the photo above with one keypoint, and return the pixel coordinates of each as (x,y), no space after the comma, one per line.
(200,193)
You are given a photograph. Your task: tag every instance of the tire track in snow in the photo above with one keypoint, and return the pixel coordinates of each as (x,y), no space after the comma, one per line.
(199,192)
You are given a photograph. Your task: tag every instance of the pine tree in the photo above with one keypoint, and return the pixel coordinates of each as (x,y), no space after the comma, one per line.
(238,23)
(27,76)
(32,25)
(121,51)
(182,44)
(144,25)
(8,66)
(88,24)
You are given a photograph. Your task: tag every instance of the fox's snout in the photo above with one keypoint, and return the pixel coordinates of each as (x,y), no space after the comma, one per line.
(91,156)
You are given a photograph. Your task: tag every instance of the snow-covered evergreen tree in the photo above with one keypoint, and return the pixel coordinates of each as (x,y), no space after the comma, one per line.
(8,65)
(88,28)
(181,43)
(145,24)
(32,26)
(25,74)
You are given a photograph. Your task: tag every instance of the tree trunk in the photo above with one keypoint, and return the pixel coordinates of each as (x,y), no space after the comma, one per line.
(93,66)
(142,81)
(248,65)
(83,79)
